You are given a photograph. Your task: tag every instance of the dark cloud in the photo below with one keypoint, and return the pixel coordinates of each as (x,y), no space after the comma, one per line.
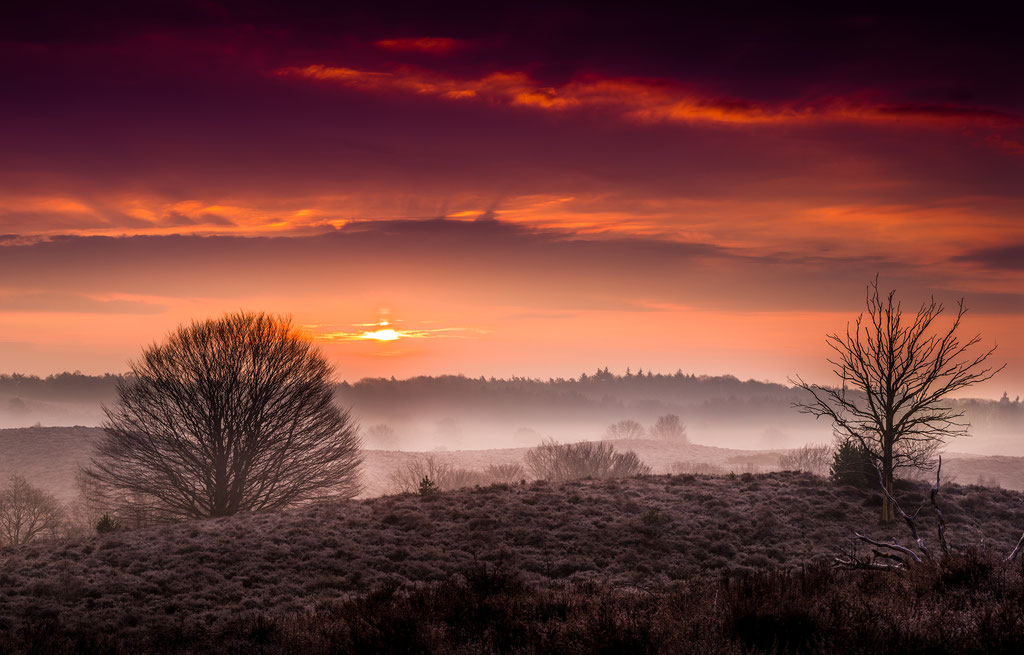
(177,101)
(177,219)
(468,262)
(1007,258)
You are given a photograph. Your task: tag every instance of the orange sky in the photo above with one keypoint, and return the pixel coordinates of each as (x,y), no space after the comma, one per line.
(541,194)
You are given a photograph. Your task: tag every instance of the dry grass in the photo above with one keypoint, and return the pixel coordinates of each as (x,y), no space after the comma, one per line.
(646,533)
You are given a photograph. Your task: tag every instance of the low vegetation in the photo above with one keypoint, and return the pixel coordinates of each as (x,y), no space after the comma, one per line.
(585,560)
(557,462)
(967,604)
(810,458)
(444,476)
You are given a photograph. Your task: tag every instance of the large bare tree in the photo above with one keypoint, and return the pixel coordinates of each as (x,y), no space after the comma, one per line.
(27,513)
(228,415)
(897,371)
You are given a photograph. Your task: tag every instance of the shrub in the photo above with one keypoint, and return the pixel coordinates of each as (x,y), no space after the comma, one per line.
(627,429)
(505,473)
(460,478)
(444,476)
(653,522)
(587,459)
(810,458)
(27,513)
(382,436)
(852,465)
(407,478)
(107,524)
(669,428)
(427,486)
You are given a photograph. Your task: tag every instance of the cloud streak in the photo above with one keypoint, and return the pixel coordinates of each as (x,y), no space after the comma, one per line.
(72,303)
(648,100)
(385,331)
(430,45)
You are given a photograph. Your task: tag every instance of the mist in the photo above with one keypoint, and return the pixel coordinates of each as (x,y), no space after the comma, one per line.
(455,412)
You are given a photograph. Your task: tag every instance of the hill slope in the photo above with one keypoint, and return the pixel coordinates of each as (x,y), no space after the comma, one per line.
(649,532)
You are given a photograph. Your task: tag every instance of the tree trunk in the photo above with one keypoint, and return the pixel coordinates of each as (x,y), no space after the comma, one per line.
(888,511)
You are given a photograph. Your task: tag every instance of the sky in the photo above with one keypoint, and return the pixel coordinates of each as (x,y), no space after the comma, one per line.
(537,189)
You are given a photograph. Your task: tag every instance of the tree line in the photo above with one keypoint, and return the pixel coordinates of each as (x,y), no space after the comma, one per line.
(239,414)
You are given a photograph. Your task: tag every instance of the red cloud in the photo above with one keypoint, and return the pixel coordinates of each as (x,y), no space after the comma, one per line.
(433,45)
(646,100)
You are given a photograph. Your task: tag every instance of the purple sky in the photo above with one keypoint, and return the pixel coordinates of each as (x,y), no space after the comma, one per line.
(531,190)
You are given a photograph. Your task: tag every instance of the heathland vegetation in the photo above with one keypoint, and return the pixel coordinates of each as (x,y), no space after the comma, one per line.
(536,566)
(216,512)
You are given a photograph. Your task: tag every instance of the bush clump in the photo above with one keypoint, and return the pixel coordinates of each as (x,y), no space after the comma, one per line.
(557,462)
(107,524)
(810,458)
(852,465)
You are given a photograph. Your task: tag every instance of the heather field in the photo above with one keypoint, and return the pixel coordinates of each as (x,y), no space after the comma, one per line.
(174,586)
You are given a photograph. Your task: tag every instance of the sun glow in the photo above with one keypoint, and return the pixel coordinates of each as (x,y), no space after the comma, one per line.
(383,331)
(382,335)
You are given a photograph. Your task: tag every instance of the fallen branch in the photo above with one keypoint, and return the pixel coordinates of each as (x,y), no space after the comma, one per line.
(849,559)
(895,546)
(1016,551)
(906,517)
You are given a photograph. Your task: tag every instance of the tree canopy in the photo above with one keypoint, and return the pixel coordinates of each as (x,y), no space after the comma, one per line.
(896,373)
(228,415)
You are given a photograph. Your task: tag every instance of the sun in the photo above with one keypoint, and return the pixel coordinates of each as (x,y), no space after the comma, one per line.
(382,335)
(385,333)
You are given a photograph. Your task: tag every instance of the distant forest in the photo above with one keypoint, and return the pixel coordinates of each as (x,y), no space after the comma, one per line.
(717,402)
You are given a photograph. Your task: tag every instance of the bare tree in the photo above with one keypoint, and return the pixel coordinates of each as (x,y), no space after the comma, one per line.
(810,458)
(896,375)
(625,429)
(443,475)
(27,513)
(669,428)
(381,436)
(228,415)
(505,473)
(587,459)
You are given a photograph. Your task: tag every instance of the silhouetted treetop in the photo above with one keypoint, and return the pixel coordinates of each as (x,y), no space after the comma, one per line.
(228,415)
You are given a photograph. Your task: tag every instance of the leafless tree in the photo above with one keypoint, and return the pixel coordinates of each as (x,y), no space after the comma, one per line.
(381,436)
(669,428)
(443,475)
(505,473)
(228,415)
(811,458)
(587,459)
(896,374)
(625,429)
(27,513)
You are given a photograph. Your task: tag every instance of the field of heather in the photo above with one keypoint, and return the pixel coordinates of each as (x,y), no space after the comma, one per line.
(642,535)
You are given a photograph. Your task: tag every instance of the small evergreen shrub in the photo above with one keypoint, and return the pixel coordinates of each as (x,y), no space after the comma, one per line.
(427,486)
(107,524)
(853,465)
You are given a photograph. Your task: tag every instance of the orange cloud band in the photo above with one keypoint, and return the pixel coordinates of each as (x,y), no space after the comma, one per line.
(644,100)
